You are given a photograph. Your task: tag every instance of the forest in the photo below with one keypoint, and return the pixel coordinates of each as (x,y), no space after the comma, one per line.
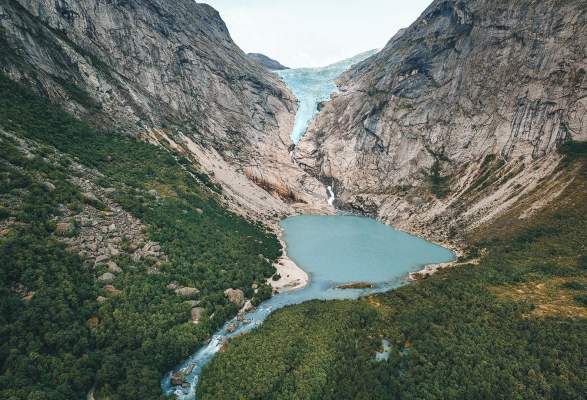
(511,326)
(56,340)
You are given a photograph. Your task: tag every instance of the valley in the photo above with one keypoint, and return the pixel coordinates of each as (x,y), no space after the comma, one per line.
(333,250)
(181,219)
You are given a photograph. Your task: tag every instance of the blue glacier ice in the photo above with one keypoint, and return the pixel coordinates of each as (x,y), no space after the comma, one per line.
(314,85)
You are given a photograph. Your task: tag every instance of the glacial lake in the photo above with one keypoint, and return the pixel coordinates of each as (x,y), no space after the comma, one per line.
(333,250)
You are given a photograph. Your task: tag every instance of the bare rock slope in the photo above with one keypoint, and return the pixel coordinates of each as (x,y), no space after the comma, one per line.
(459,118)
(167,71)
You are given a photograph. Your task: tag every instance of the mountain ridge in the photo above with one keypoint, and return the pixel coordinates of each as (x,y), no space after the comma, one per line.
(169,73)
(267,62)
(451,101)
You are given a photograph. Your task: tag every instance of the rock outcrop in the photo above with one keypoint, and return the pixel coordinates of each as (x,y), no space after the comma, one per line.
(142,64)
(187,291)
(197,313)
(459,117)
(235,296)
(267,62)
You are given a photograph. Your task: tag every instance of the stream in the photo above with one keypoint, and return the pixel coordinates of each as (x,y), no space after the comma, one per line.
(333,250)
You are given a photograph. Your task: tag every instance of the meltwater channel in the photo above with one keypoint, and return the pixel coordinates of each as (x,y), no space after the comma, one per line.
(333,250)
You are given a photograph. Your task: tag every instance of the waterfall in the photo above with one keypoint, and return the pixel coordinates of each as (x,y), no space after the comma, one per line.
(331,196)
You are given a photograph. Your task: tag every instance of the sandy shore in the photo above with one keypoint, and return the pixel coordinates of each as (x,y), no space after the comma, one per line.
(292,276)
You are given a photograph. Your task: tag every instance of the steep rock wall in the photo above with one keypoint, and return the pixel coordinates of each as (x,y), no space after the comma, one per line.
(167,71)
(459,117)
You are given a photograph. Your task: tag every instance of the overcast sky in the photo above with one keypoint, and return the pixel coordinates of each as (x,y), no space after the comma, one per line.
(310,33)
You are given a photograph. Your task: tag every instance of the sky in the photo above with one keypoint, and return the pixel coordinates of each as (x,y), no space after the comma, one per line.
(313,33)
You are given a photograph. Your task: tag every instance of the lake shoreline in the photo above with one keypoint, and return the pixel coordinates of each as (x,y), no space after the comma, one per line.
(430,269)
(293,277)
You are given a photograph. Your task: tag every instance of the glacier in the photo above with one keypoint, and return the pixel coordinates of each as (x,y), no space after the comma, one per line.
(312,86)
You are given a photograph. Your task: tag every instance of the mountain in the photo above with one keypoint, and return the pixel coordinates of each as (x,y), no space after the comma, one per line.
(459,118)
(468,127)
(169,73)
(267,62)
(142,64)
(130,133)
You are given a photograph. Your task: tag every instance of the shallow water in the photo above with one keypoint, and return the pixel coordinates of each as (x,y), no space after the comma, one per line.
(333,250)
(312,86)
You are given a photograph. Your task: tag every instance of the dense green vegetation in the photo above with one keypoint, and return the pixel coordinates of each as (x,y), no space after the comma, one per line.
(512,327)
(574,150)
(439,185)
(62,342)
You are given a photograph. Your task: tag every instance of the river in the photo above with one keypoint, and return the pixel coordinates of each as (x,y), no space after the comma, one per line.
(333,250)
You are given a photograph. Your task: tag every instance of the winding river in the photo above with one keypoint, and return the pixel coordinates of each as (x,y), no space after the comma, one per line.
(333,250)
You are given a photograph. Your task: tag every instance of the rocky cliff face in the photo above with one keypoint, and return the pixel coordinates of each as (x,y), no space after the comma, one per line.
(166,70)
(459,117)
(267,62)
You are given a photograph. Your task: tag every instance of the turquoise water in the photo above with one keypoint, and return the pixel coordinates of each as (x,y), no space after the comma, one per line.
(385,353)
(312,86)
(333,250)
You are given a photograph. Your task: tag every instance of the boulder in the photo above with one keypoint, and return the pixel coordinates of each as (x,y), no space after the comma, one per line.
(28,296)
(197,314)
(111,289)
(248,307)
(186,291)
(101,299)
(113,267)
(64,229)
(102,258)
(107,277)
(152,249)
(235,296)
(177,379)
(89,196)
(114,252)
